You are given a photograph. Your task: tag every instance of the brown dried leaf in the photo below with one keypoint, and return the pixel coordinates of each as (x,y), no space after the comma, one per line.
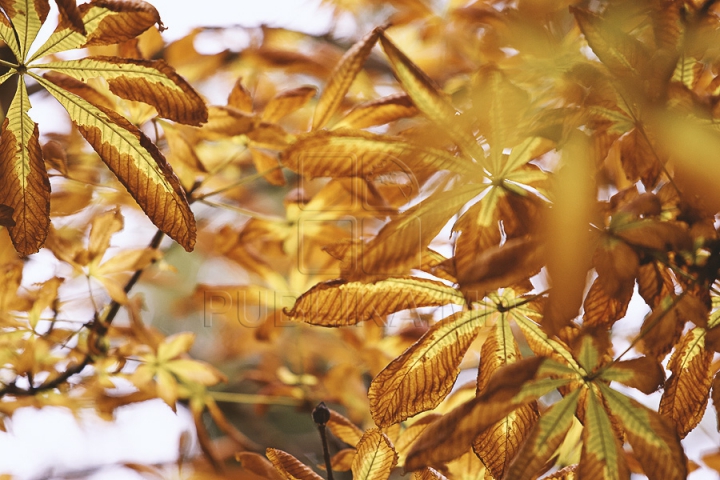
(687,390)
(603,310)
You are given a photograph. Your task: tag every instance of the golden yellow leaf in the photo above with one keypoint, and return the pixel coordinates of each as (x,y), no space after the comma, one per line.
(686,392)
(258,465)
(379,112)
(342,460)
(285,103)
(269,164)
(400,244)
(452,435)
(499,444)
(27,16)
(640,159)
(428,473)
(344,429)
(106,22)
(342,77)
(290,467)
(24,184)
(136,161)
(410,433)
(104,226)
(428,100)
(420,378)
(346,153)
(339,303)
(240,98)
(375,457)
(150,81)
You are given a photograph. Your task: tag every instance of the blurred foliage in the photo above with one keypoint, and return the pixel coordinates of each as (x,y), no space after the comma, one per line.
(450,186)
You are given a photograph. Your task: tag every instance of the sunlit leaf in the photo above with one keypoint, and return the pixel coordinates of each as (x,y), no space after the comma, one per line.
(290,467)
(423,375)
(375,458)
(338,303)
(546,437)
(654,443)
(342,77)
(136,161)
(686,392)
(150,81)
(25,186)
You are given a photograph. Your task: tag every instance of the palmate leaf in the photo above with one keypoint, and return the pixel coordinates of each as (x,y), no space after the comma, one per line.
(419,379)
(135,160)
(24,186)
(655,444)
(602,454)
(130,154)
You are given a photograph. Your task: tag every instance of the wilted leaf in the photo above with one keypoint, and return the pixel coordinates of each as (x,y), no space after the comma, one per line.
(375,458)
(420,378)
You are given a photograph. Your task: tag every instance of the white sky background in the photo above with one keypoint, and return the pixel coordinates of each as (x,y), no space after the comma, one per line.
(53,440)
